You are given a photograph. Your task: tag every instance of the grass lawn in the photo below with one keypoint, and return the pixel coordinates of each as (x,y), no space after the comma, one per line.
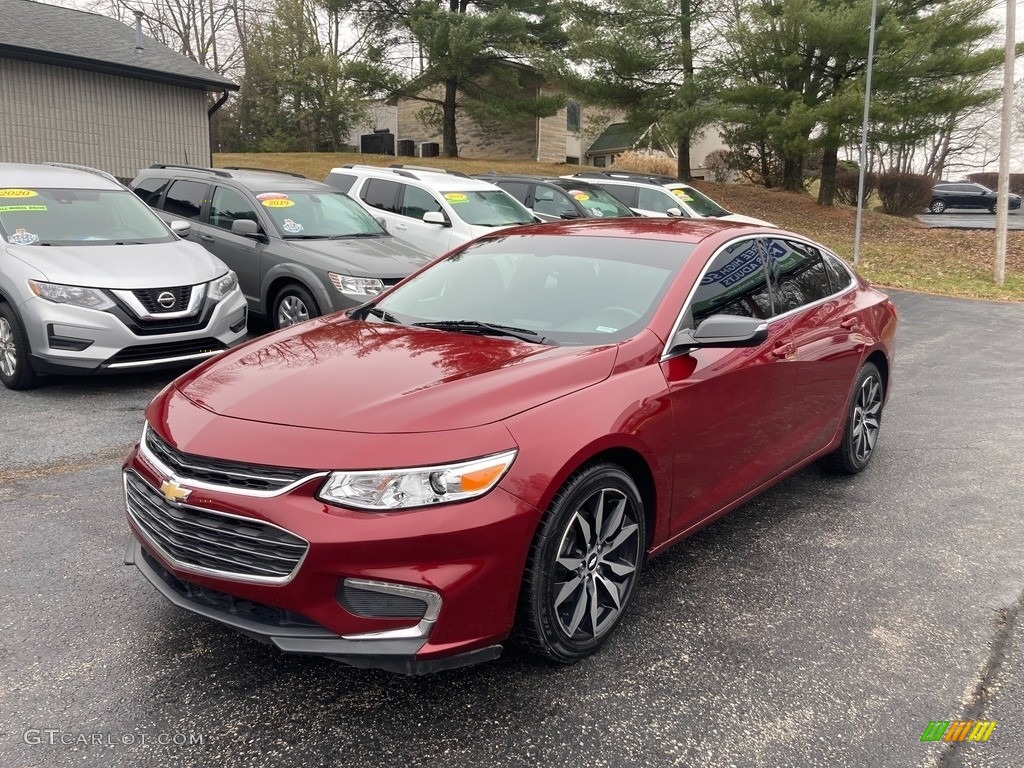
(895,252)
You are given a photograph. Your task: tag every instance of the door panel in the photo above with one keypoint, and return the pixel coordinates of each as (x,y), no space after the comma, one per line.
(242,254)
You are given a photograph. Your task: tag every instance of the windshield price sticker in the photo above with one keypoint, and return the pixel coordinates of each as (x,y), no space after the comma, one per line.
(683,195)
(278,202)
(13,208)
(262,196)
(456,197)
(18,193)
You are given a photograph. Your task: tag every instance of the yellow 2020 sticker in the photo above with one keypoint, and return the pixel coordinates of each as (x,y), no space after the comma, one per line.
(18,193)
(278,203)
(683,195)
(456,197)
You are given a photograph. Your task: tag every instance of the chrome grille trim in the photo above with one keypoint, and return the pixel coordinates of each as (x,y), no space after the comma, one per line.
(211,543)
(195,300)
(180,471)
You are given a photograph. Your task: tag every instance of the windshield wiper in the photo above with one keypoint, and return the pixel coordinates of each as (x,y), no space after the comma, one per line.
(476,326)
(383,314)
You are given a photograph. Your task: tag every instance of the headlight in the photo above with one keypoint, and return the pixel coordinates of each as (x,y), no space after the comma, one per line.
(387,489)
(361,286)
(222,286)
(93,298)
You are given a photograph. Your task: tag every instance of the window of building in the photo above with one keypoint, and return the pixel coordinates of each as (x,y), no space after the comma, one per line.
(572,117)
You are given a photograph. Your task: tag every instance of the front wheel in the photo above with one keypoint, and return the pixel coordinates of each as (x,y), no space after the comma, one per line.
(293,304)
(583,565)
(863,421)
(16,370)
(937,206)
(992,208)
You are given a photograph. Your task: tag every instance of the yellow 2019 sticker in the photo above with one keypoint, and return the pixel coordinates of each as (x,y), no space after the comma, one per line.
(278,203)
(18,193)
(13,208)
(456,197)
(581,197)
(683,195)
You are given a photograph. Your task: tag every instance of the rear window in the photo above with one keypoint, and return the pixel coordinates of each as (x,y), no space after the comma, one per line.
(77,217)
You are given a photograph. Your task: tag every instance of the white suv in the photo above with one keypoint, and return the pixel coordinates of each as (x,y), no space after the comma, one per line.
(432,209)
(661,196)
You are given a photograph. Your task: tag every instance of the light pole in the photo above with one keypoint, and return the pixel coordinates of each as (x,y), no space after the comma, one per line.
(864,134)
(1003,188)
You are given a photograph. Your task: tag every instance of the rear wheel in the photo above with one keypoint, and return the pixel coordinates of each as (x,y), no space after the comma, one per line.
(583,565)
(992,208)
(937,206)
(863,421)
(293,304)
(16,370)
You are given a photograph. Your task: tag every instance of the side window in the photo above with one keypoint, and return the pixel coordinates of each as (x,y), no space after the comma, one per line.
(734,284)
(551,201)
(416,202)
(656,199)
(342,181)
(150,191)
(625,195)
(229,205)
(382,194)
(518,189)
(839,277)
(798,274)
(185,199)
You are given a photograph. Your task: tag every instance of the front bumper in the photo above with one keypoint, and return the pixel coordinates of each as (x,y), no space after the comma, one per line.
(470,555)
(68,339)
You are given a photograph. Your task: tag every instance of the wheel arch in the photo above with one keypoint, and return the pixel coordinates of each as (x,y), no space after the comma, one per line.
(277,279)
(882,363)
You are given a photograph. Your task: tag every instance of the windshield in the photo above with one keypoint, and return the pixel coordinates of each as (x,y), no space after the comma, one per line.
(488,209)
(77,217)
(314,214)
(700,204)
(569,290)
(595,200)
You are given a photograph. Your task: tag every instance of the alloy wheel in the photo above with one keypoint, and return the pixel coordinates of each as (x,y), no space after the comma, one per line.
(8,350)
(292,310)
(866,416)
(596,565)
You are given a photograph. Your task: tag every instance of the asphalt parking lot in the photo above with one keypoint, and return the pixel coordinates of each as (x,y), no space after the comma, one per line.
(969,219)
(824,624)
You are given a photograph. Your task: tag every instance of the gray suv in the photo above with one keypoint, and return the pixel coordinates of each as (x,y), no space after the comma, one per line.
(300,248)
(92,281)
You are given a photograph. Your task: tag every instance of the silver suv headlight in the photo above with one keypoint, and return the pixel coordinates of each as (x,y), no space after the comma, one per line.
(360,286)
(387,489)
(222,286)
(91,298)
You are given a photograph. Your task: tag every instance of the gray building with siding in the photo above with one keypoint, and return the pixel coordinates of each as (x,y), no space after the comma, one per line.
(74,89)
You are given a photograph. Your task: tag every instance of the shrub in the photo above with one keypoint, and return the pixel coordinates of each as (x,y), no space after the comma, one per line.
(848,181)
(719,165)
(904,194)
(645,162)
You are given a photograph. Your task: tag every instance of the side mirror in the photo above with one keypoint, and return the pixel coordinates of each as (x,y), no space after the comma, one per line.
(674,211)
(383,222)
(245,228)
(181,228)
(723,331)
(435,217)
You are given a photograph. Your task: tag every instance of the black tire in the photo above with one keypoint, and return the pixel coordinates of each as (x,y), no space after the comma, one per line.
(566,613)
(992,208)
(937,206)
(863,420)
(293,304)
(16,370)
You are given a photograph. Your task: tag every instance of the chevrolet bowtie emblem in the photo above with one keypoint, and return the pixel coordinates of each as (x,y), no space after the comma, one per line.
(174,492)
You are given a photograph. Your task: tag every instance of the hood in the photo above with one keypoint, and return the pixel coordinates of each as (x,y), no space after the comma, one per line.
(121,266)
(361,257)
(353,376)
(741,219)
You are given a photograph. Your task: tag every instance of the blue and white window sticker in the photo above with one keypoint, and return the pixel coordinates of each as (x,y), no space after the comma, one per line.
(23,237)
(291,227)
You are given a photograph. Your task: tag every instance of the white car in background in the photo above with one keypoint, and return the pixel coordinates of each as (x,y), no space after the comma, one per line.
(430,208)
(661,196)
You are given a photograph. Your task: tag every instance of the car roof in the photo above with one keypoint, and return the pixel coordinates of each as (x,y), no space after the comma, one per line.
(556,181)
(256,179)
(47,176)
(435,178)
(642,228)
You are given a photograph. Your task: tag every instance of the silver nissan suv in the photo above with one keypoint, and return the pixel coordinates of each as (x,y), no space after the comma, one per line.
(91,280)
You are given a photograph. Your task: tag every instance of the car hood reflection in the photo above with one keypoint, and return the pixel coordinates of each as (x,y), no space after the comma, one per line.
(349,375)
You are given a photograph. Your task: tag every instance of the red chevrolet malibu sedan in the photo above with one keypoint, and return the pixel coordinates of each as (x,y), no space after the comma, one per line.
(500,442)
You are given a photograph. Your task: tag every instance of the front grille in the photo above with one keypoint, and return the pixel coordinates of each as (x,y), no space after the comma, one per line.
(225,603)
(148,298)
(142,353)
(230,474)
(159,324)
(233,546)
(373,604)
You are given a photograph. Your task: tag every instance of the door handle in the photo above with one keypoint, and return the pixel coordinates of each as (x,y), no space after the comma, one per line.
(849,323)
(206,238)
(401,226)
(783,350)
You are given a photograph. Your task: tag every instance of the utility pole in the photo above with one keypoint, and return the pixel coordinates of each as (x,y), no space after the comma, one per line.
(864,132)
(1003,190)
